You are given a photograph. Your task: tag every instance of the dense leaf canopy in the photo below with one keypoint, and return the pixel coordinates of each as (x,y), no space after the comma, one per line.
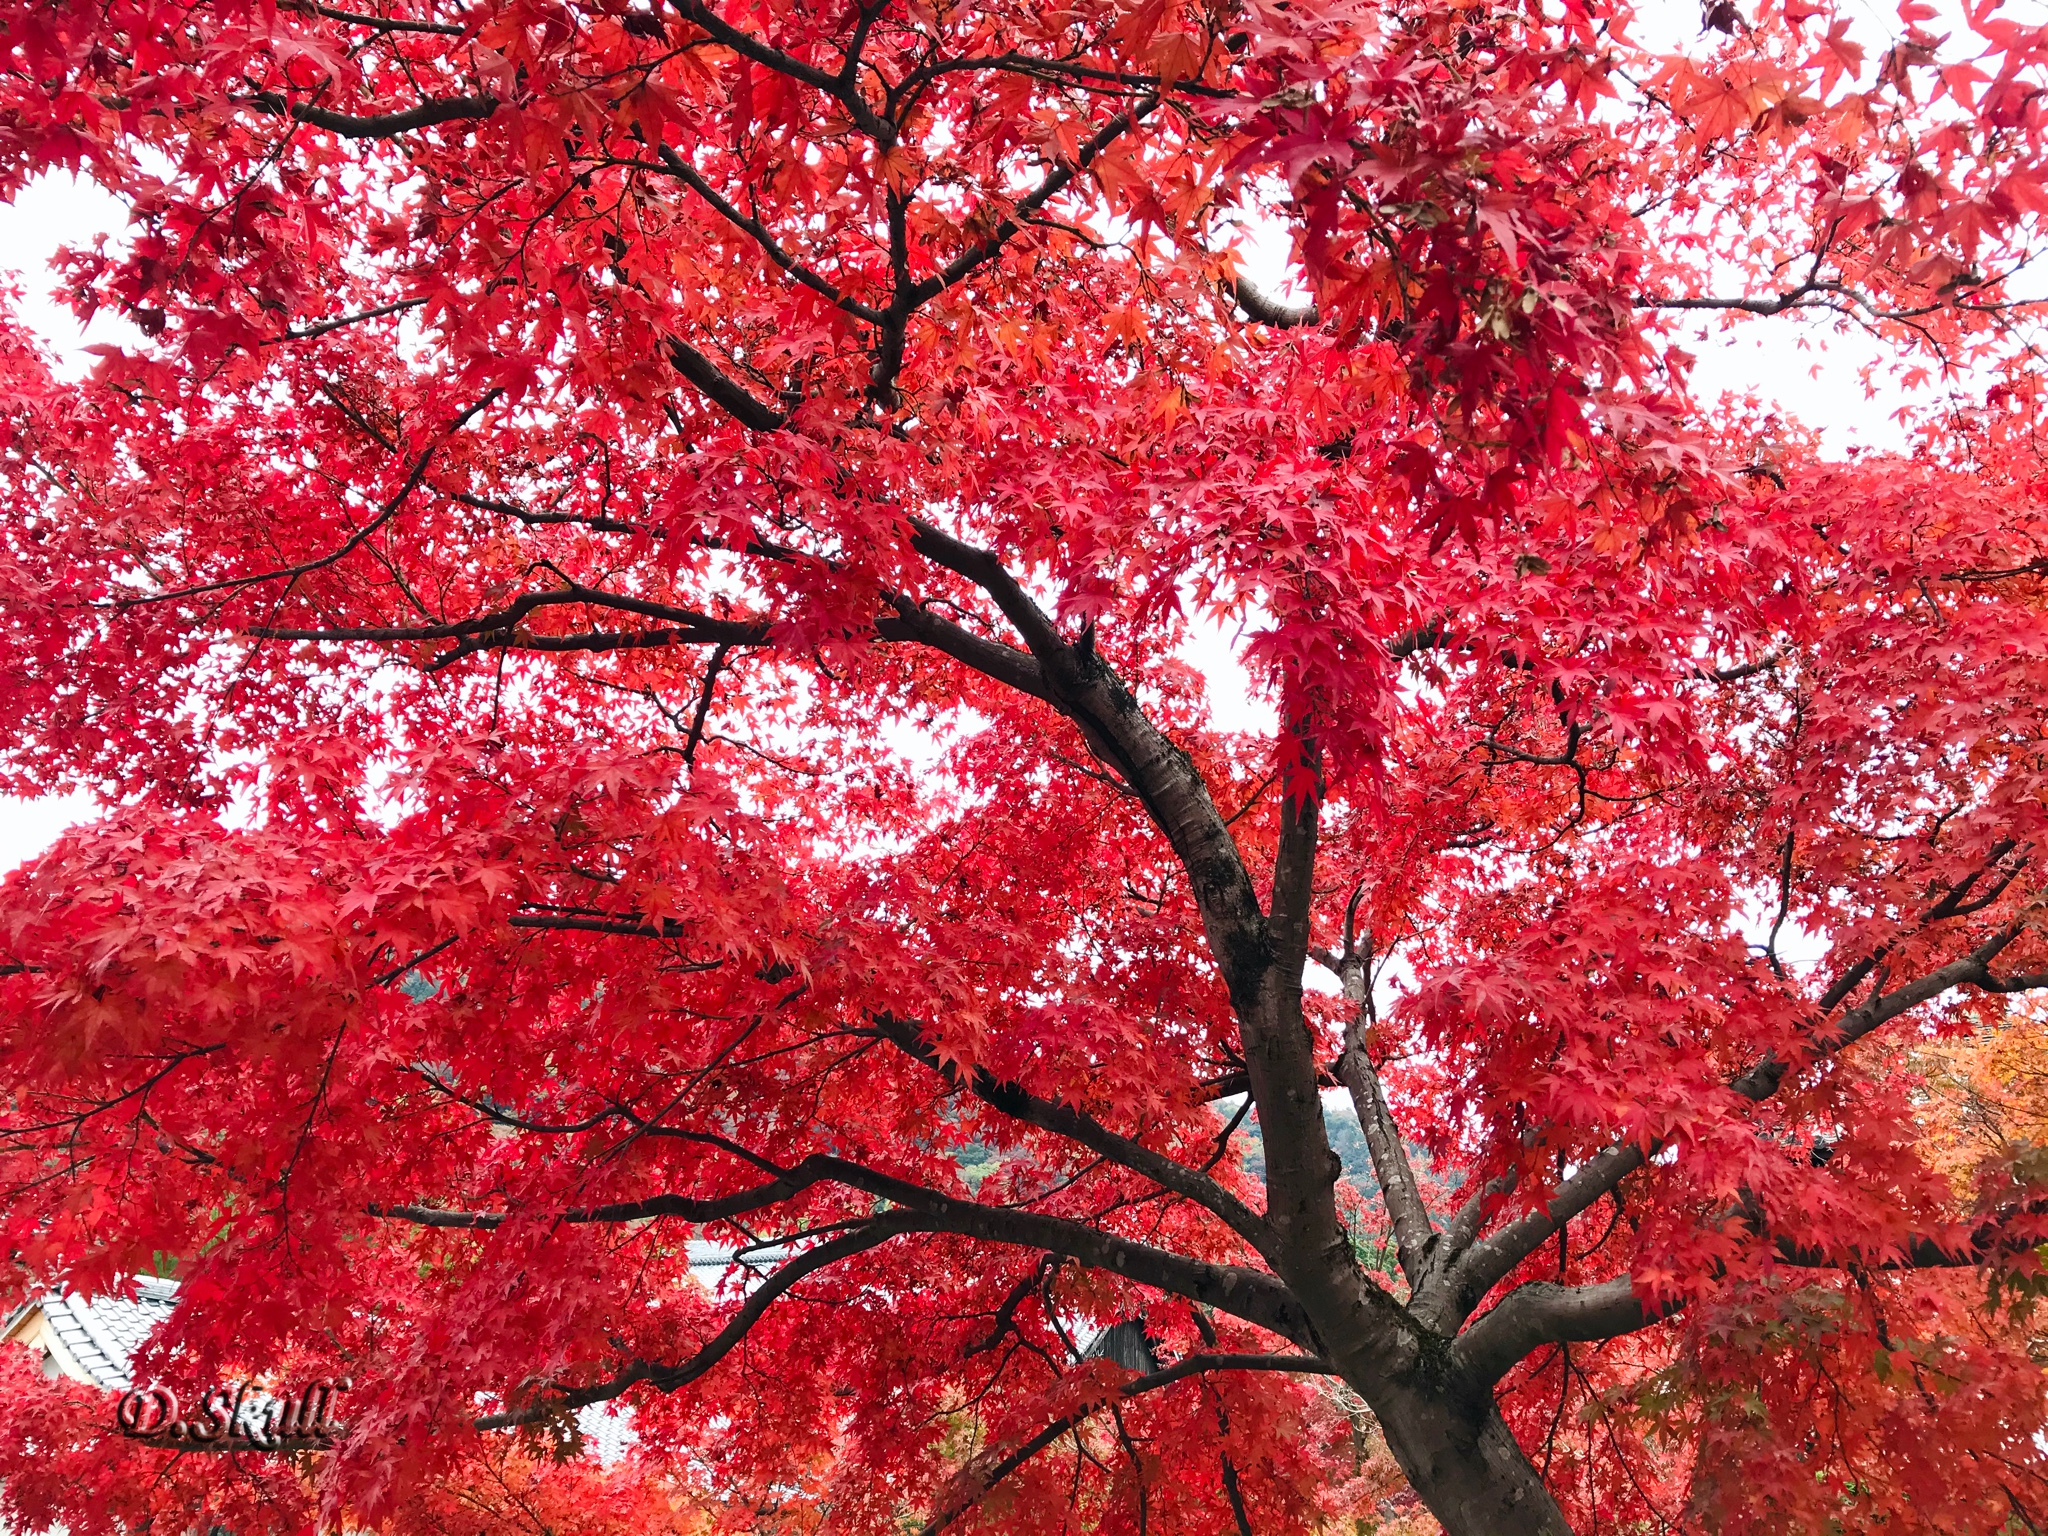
(630,620)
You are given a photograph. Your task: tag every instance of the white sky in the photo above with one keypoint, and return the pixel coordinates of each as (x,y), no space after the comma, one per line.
(1807,374)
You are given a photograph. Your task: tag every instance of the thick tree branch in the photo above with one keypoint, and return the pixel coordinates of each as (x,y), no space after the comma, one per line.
(841,87)
(1261,972)
(1088,692)
(2008,1232)
(1270,311)
(1248,1294)
(992,659)
(1540,1313)
(1059,71)
(626,926)
(1973,969)
(724,391)
(1294,866)
(1457,1284)
(385,125)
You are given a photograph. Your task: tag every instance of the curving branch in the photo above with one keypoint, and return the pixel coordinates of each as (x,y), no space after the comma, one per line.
(501,626)
(669,1378)
(976,1485)
(872,1234)
(2006,1233)
(1836,297)
(1266,310)
(1026,207)
(991,658)
(378,23)
(1462,1280)
(840,87)
(1064,1120)
(809,1172)
(724,391)
(383,125)
(1084,688)
(1542,1312)
(1259,959)
(686,173)
(1248,1294)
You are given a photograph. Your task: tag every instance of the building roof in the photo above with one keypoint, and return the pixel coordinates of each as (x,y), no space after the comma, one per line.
(95,1339)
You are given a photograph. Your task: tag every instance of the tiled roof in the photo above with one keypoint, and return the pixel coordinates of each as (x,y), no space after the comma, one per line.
(102,1334)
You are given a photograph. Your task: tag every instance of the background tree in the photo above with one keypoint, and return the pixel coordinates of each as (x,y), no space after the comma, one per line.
(629,623)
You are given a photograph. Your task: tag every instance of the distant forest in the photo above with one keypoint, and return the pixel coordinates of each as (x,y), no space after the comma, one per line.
(1347,1140)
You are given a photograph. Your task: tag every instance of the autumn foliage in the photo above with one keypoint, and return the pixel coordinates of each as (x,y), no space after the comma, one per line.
(630,617)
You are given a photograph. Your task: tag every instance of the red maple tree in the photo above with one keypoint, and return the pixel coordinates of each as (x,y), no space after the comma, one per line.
(629,619)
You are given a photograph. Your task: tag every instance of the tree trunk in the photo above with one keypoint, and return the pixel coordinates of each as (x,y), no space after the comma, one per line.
(1466,1467)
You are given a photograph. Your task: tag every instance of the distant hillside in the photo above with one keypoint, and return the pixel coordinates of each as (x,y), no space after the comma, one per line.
(1347,1140)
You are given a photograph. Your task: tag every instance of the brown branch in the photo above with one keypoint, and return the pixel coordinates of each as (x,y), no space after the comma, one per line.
(1064,1120)
(809,1172)
(669,1378)
(1994,1237)
(1055,182)
(1258,306)
(1076,680)
(699,628)
(378,23)
(722,390)
(1461,1282)
(711,670)
(1249,1294)
(1059,71)
(992,659)
(322,327)
(629,926)
(979,1484)
(1413,1231)
(383,515)
(1836,298)
(1541,1312)
(684,172)
(841,87)
(385,125)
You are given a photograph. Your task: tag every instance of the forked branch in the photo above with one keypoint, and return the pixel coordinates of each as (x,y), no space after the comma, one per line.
(975,1485)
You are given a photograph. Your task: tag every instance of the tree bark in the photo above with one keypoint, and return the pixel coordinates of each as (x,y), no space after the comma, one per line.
(1464,1464)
